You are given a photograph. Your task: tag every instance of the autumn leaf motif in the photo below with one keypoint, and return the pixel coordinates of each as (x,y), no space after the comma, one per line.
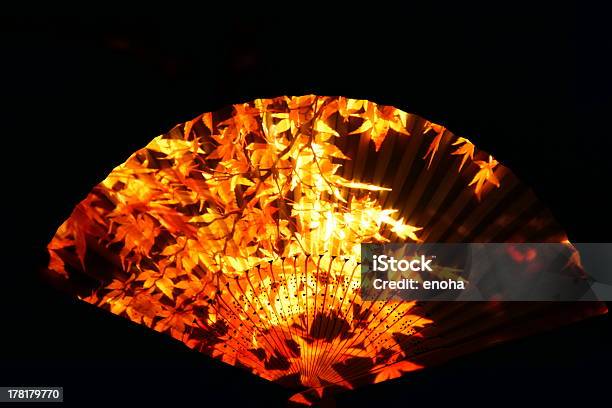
(245,118)
(348,107)
(405,231)
(207,119)
(321,126)
(484,175)
(435,143)
(377,120)
(466,149)
(395,370)
(239,233)
(165,285)
(137,233)
(188,126)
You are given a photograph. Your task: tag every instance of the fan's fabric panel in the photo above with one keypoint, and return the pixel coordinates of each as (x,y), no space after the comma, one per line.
(237,233)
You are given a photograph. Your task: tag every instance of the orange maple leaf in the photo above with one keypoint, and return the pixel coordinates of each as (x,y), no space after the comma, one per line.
(435,143)
(485,174)
(466,149)
(394,370)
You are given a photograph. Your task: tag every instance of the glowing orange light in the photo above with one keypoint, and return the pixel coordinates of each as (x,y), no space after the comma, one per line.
(238,233)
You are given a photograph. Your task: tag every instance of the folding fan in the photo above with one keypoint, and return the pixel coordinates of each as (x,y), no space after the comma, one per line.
(238,233)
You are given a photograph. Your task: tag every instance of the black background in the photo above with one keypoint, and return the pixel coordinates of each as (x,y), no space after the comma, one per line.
(80,94)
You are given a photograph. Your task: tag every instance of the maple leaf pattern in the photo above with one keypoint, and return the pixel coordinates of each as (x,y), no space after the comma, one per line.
(394,370)
(466,149)
(435,143)
(377,120)
(486,174)
(239,234)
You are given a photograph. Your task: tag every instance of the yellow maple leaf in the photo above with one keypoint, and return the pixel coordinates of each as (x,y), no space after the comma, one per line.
(321,126)
(165,285)
(405,230)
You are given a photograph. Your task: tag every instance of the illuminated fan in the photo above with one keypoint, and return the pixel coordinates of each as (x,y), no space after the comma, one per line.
(238,234)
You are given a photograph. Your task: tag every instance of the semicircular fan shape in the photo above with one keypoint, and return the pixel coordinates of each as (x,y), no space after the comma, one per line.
(238,232)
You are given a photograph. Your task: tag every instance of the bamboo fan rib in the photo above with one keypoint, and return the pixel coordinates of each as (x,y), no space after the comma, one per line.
(238,234)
